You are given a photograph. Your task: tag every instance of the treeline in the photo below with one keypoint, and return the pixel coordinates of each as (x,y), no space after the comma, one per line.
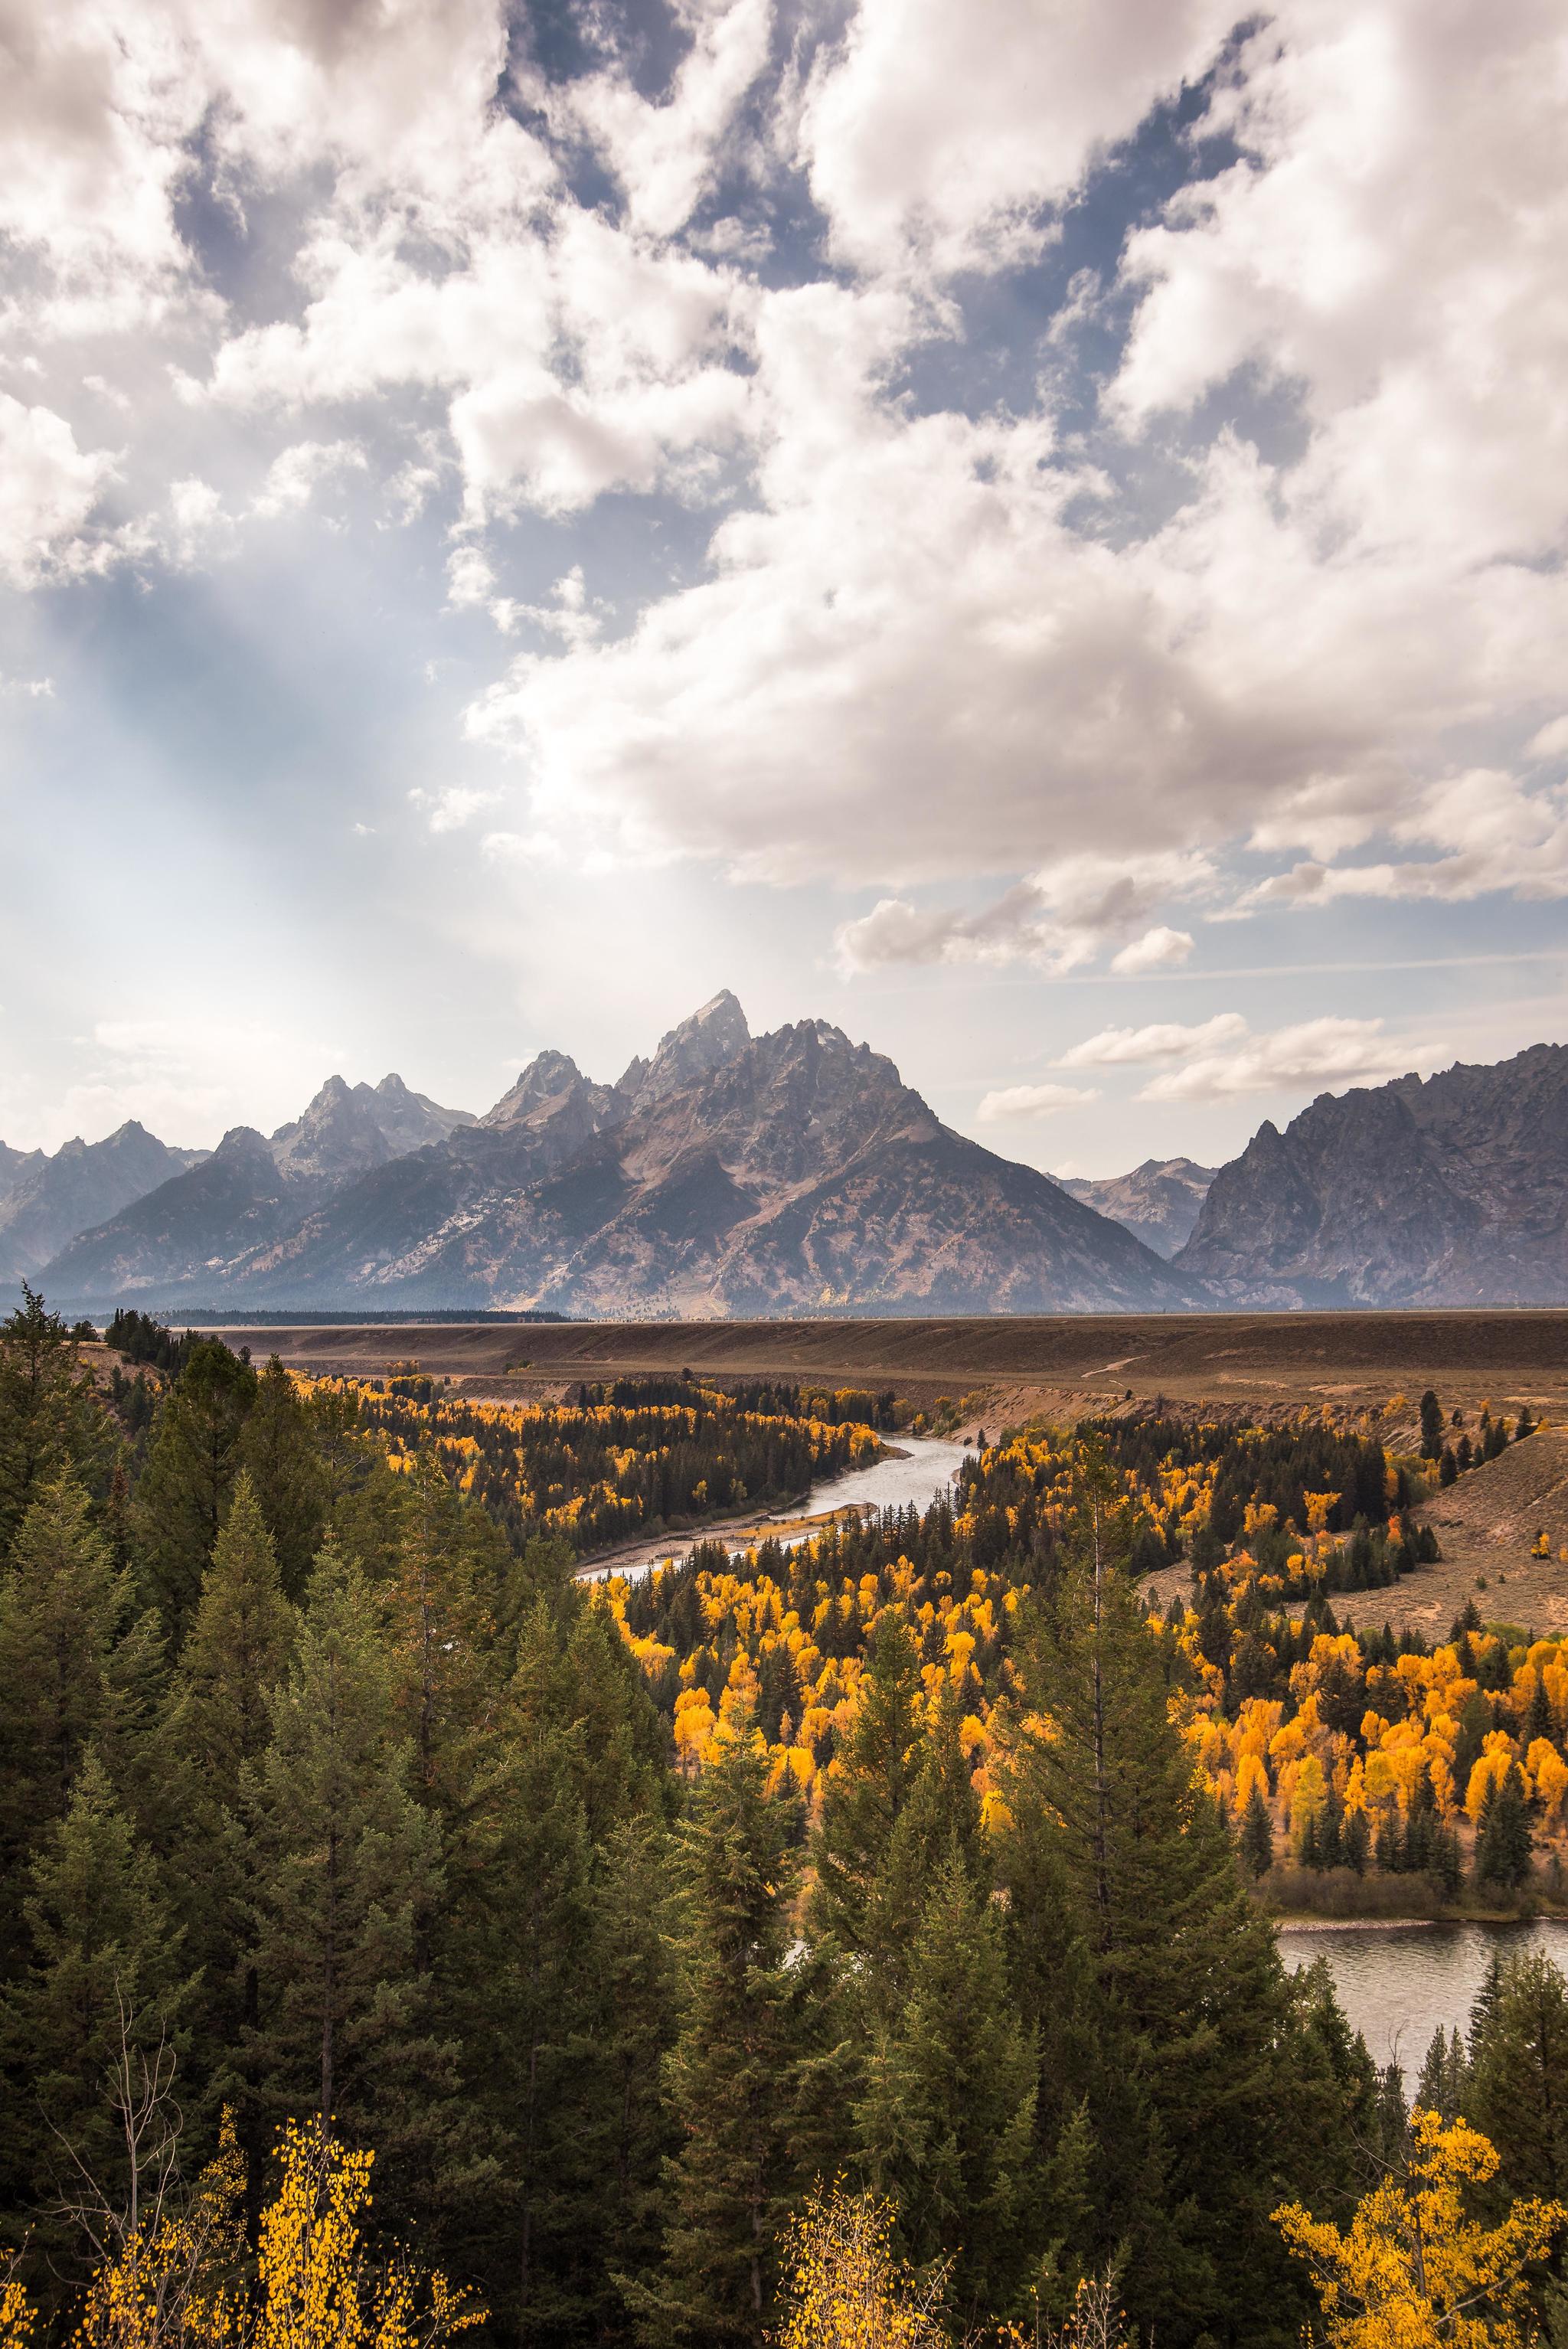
(771,1398)
(595,1472)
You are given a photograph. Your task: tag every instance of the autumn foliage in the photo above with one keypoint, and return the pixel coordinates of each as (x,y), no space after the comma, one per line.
(1415,2270)
(183,2279)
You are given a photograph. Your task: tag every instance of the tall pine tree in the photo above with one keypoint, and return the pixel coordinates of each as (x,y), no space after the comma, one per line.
(865,1791)
(278,1451)
(180,1502)
(219,1724)
(945,2125)
(52,1419)
(94,2020)
(63,1611)
(1517,2092)
(1193,2056)
(739,2075)
(344,1871)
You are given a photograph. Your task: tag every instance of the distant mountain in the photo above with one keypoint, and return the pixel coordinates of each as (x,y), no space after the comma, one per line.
(81,1185)
(727,1175)
(195,1229)
(407,1119)
(349,1128)
(1451,1191)
(14,1165)
(191,1233)
(1157,1202)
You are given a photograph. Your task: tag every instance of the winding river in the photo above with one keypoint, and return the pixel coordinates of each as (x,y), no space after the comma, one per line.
(1397,1984)
(915,1472)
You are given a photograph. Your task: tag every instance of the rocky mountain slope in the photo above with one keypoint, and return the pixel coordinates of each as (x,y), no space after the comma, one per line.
(1157,1202)
(191,1232)
(729,1175)
(1450,1191)
(81,1185)
(14,1165)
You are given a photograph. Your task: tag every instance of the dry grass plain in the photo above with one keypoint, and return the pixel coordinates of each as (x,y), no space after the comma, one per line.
(1014,1365)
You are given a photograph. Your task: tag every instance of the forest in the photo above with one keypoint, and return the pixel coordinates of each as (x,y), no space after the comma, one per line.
(855,1935)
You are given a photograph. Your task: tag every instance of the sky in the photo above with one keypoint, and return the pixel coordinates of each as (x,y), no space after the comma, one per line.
(1033,530)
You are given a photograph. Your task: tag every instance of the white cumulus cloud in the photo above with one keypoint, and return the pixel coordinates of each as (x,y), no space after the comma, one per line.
(48,488)
(1160,948)
(1016,1102)
(1326,1054)
(1162,1041)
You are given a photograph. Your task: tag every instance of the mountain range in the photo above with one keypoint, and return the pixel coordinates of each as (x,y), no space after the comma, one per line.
(43,1201)
(1159,1201)
(730,1174)
(794,1173)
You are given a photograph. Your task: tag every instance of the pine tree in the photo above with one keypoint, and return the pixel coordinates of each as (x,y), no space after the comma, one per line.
(52,1420)
(573,1665)
(1257,1834)
(945,2125)
(441,1640)
(1192,2000)
(343,1870)
(864,1793)
(182,1498)
(1335,2097)
(940,1820)
(237,1650)
(1444,2084)
(635,1925)
(1431,1425)
(62,1608)
(737,2075)
(516,1984)
(1504,1844)
(279,1452)
(95,2014)
(218,1724)
(1518,2090)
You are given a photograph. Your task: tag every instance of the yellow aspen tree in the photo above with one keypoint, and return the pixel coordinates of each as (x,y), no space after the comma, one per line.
(842,2287)
(1415,2271)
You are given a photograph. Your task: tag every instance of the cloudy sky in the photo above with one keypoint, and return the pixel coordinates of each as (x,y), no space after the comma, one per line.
(1033,529)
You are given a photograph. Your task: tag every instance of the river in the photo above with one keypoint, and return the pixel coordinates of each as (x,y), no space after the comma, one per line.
(1397,1983)
(912,1474)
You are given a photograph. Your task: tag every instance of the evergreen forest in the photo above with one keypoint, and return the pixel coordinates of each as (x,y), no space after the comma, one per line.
(869,1925)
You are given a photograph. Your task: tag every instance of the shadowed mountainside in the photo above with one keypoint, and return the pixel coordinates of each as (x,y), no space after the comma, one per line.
(1450,1191)
(46,1199)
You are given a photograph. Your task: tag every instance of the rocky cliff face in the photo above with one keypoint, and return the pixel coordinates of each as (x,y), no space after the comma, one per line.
(81,1185)
(1451,1191)
(729,1175)
(14,1166)
(187,1237)
(1157,1202)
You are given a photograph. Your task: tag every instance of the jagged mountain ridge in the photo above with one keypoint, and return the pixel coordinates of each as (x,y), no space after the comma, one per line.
(196,1227)
(1451,1190)
(80,1185)
(1159,1202)
(729,1175)
(14,1166)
